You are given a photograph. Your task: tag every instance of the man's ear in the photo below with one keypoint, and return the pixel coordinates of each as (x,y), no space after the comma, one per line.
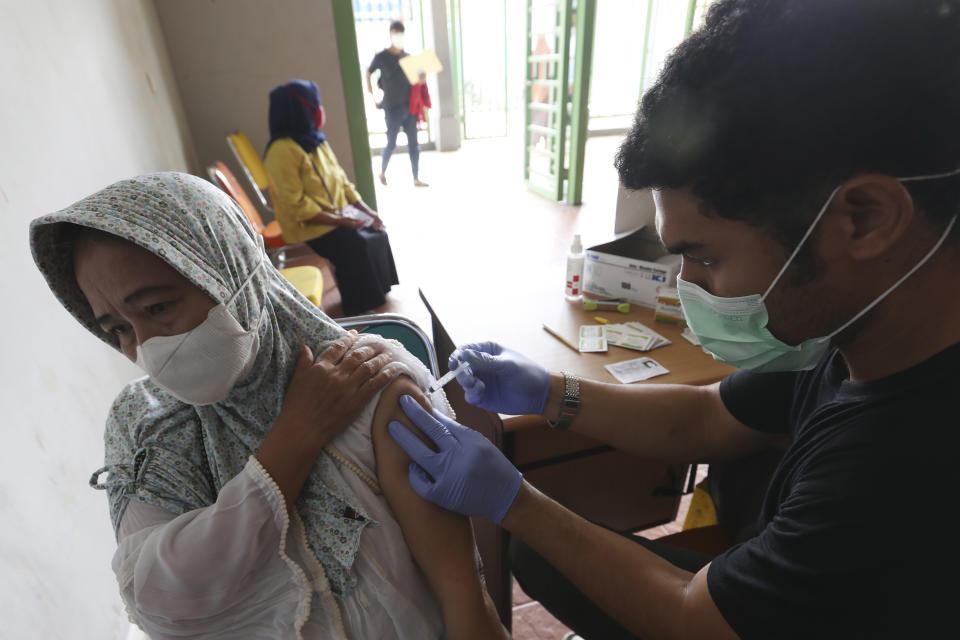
(874,211)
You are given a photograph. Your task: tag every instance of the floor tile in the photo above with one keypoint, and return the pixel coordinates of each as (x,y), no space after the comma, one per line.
(533,622)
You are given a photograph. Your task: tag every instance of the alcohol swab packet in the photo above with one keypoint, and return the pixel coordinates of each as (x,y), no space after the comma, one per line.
(593,338)
(448,376)
(621,335)
(656,340)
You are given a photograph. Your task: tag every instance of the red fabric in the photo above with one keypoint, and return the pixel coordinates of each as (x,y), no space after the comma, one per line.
(419,101)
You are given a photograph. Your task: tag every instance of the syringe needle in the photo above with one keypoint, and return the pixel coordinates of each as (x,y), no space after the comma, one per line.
(447,377)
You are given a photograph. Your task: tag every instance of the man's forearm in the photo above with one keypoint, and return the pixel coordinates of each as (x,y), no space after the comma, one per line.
(667,422)
(642,591)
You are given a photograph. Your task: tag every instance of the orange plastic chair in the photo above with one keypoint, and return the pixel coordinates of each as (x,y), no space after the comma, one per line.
(308,280)
(221,175)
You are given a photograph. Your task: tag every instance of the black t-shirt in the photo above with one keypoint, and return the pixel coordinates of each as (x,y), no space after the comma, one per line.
(393,81)
(857,526)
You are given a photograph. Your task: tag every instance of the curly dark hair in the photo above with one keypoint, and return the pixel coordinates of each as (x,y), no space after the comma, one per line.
(773,103)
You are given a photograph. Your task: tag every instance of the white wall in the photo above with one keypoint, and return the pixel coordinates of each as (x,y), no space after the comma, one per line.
(228,55)
(87,99)
(635,209)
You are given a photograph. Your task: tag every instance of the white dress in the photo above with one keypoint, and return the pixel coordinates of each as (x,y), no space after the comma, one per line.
(241,568)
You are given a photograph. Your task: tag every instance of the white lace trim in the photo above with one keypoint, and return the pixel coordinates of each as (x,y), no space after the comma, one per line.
(323,585)
(303,608)
(340,457)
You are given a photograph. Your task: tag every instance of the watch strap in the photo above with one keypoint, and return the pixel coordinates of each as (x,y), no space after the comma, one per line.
(570,404)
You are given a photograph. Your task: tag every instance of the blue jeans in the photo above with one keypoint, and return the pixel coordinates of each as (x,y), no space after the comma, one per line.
(398,117)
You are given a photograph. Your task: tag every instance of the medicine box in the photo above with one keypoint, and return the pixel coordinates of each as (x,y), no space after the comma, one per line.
(632,267)
(668,307)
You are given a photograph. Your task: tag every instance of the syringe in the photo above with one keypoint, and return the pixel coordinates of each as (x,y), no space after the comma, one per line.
(450,375)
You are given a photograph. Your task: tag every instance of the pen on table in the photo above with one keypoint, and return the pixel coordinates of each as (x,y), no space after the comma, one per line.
(601,320)
(561,338)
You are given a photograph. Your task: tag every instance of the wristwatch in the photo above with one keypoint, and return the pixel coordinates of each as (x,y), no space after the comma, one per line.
(570,404)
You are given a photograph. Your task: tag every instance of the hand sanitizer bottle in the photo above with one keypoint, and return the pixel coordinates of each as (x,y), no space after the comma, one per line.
(575,270)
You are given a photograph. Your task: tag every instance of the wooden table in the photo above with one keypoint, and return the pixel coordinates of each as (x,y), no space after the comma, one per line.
(563,464)
(614,489)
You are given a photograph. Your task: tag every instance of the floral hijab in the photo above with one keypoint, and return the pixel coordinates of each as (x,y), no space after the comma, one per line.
(177,456)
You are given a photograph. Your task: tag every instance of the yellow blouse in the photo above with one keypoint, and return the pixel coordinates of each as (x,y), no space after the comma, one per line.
(298,194)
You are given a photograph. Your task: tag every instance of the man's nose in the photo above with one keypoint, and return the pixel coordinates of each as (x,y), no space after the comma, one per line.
(691,274)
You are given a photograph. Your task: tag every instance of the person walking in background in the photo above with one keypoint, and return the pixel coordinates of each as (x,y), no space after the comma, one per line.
(395,102)
(316,203)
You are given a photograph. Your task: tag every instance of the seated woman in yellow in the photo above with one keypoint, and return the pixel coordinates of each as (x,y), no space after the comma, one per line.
(316,203)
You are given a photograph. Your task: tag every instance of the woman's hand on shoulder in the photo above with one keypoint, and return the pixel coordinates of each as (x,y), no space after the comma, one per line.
(326,394)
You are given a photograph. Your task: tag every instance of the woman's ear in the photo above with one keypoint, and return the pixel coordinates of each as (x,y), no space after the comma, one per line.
(874,211)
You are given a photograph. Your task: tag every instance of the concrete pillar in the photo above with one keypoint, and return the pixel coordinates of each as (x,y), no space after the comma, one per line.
(448,131)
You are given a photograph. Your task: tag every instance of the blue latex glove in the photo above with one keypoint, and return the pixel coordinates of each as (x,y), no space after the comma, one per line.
(469,474)
(501,380)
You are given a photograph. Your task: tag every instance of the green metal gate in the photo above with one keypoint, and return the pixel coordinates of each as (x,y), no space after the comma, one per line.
(559,41)
(547,77)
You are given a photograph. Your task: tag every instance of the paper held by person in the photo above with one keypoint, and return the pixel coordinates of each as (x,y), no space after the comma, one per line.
(424,62)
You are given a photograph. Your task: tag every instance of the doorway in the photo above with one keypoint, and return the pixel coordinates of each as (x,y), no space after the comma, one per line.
(533,73)
(373,35)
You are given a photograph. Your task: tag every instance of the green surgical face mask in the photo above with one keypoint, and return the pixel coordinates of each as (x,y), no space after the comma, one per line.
(734,330)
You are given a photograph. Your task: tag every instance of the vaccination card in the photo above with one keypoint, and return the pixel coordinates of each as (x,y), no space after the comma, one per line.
(636,370)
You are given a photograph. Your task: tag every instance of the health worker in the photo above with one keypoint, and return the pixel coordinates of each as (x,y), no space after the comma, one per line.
(805,162)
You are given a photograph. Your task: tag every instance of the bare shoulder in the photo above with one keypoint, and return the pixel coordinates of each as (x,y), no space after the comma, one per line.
(388,409)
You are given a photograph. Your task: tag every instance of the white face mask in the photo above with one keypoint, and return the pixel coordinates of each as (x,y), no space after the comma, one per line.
(202,365)
(396,39)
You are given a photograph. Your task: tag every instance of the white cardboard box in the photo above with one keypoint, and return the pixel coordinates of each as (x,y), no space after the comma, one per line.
(630,267)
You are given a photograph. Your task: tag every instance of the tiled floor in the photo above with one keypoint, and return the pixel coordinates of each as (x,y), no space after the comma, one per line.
(478,209)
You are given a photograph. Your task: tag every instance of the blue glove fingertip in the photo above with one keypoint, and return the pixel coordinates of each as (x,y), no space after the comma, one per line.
(409,442)
(413,409)
(398,431)
(419,480)
(454,360)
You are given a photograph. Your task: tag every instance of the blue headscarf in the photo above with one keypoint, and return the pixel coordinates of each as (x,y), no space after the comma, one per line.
(291,118)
